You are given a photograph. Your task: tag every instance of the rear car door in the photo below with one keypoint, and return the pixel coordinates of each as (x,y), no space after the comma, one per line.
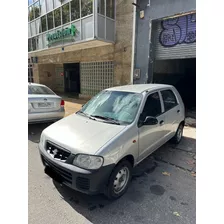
(151,136)
(172,112)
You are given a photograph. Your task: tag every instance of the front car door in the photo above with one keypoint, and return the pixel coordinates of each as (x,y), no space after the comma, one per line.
(150,136)
(172,112)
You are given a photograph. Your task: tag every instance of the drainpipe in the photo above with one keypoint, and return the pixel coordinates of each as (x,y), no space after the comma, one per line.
(133,41)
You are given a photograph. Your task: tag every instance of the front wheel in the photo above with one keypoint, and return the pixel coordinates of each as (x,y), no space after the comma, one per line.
(178,136)
(119,180)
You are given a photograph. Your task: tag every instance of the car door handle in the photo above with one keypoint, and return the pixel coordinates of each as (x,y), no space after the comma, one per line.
(178,111)
(161,123)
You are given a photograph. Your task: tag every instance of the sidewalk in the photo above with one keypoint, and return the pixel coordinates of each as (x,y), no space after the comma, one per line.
(72,105)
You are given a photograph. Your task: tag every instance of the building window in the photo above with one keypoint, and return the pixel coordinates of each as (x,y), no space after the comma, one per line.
(30,2)
(43,23)
(101,7)
(110,7)
(87,7)
(31,13)
(30,73)
(39,42)
(33,28)
(75,10)
(30,44)
(65,14)
(50,21)
(36,9)
(49,4)
(42,7)
(57,17)
(34,46)
(38,26)
(57,3)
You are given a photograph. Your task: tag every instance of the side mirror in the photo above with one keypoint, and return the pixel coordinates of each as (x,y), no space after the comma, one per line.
(150,121)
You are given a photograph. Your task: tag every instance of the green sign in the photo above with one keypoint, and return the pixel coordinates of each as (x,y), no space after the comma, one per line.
(61,34)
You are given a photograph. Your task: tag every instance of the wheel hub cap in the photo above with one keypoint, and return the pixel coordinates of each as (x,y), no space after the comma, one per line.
(121,180)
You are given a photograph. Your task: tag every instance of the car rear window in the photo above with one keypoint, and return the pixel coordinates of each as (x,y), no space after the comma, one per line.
(40,90)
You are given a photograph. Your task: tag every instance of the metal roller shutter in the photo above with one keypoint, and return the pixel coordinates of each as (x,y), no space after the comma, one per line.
(175,38)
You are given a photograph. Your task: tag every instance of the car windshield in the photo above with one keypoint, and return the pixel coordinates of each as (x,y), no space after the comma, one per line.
(114,106)
(40,90)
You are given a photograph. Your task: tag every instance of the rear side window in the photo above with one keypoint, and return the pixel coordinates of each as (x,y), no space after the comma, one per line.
(38,90)
(169,99)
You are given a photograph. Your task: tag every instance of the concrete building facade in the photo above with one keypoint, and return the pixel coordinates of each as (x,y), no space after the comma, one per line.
(80,46)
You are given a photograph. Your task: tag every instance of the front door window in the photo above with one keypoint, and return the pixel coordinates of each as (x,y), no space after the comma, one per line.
(152,106)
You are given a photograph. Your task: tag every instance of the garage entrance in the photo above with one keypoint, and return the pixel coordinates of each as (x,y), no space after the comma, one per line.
(180,73)
(174,50)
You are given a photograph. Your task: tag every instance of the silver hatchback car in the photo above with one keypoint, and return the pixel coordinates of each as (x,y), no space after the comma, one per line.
(95,149)
(43,104)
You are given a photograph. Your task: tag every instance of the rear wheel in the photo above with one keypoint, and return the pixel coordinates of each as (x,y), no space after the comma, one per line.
(119,180)
(179,133)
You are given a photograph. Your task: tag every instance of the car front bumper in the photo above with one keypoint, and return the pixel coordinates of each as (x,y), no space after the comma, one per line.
(85,181)
(46,116)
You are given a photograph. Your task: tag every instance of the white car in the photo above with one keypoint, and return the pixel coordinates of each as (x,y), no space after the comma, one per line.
(43,104)
(95,149)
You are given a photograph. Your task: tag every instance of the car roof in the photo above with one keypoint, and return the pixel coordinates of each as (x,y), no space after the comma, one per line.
(139,88)
(34,84)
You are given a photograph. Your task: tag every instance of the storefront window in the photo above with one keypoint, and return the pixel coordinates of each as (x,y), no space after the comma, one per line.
(31,12)
(57,17)
(49,5)
(42,7)
(75,10)
(34,44)
(37,9)
(110,7)
(87,7)
(101,7)
(50,21)
(65,14)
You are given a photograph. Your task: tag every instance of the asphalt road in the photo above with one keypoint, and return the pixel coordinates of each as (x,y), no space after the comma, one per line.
(151,198)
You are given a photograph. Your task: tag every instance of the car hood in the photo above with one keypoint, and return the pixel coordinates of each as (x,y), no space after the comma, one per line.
(80,134)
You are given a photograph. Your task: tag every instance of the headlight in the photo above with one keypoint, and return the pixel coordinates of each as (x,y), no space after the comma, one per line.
(42,139)
(88,161)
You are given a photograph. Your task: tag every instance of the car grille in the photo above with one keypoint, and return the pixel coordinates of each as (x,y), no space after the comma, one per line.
(57,152)
(82,183)
(66,176)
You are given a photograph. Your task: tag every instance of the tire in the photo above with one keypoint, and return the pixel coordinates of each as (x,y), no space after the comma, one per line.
(121,171)
(179,133)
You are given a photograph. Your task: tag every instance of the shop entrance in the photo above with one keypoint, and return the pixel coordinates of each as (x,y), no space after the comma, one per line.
(72,78)
(180,73)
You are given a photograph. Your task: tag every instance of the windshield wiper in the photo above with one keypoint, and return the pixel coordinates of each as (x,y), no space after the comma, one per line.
(111,120)
(86,115)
